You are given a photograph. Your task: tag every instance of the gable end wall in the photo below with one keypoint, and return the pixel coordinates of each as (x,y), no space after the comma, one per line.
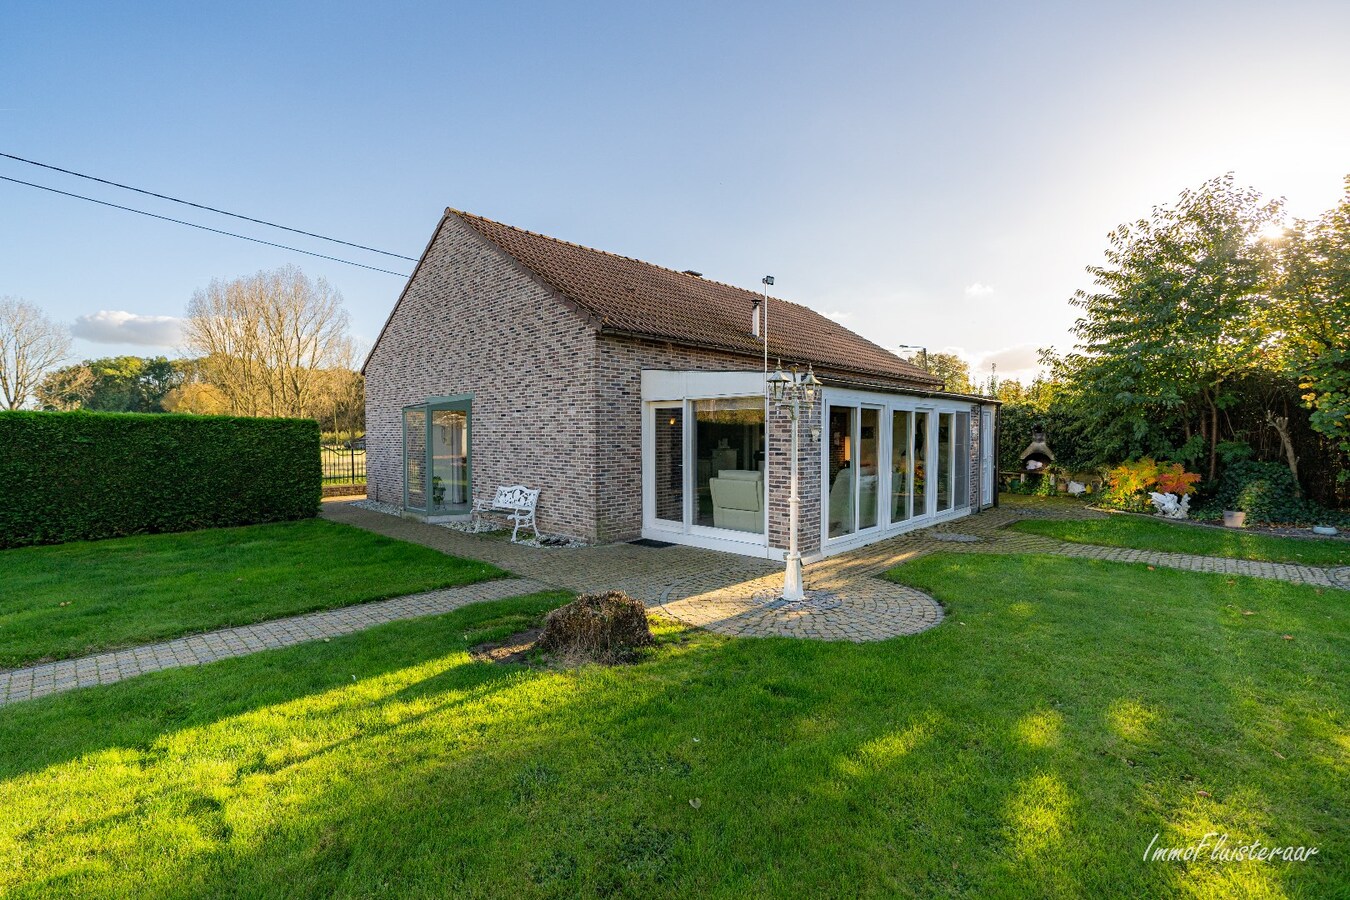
(472,322)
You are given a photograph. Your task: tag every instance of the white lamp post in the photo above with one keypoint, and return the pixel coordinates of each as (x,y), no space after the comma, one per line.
(797,393)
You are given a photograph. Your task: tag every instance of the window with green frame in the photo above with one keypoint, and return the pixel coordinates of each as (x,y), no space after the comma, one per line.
(437,462)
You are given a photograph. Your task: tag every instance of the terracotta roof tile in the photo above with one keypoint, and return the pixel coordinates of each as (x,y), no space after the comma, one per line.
(633,297)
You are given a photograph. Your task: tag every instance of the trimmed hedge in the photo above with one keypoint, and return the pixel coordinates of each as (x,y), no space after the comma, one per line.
(69,476)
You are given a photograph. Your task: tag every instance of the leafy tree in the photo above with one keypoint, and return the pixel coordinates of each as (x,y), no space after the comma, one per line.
(66,388)
(1310,318)
(1176,313)
(953,370)
(196,397)
(132,383)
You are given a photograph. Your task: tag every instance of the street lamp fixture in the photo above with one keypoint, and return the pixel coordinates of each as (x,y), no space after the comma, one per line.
(797,393)
(920,348)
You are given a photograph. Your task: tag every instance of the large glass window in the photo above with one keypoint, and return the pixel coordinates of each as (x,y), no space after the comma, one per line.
(415,457)
(921,463)
(944,468)
(729,458)
(669,466)
(436,470)
(869,457)
(449,459)
(842,469)
(962,455)
(900,465)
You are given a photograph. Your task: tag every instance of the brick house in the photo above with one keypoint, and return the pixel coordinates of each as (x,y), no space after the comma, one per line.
(633,397)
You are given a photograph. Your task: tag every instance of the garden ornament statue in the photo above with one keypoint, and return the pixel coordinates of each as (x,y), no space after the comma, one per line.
(1170,506)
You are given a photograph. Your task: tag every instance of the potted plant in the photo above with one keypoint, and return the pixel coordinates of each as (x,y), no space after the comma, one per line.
(1234,518)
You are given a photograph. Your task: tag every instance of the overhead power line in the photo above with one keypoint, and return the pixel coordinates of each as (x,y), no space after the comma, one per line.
(242,237)
(127,187)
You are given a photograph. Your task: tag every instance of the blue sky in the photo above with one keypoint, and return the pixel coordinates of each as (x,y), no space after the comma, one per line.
(933,174)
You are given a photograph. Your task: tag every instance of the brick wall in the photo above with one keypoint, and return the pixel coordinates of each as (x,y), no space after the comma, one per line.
(473,322)
(808,477)
(620,361)
(556,405)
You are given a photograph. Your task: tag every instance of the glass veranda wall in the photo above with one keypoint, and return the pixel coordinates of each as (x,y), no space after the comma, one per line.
(437,461)
(891,462)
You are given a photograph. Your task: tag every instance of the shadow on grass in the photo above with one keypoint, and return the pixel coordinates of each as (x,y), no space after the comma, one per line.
(137,712)
(1032,746)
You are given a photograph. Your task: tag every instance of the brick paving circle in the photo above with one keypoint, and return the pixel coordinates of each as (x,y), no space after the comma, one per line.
(860,609)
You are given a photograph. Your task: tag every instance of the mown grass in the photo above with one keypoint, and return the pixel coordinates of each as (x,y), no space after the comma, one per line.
(1031,746)
(73,599)
(1153,534)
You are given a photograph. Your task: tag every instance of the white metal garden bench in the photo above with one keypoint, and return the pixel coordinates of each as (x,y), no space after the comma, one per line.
(517,502)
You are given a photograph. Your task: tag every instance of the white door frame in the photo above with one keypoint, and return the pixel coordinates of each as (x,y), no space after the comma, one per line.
(986,456)
(663,390)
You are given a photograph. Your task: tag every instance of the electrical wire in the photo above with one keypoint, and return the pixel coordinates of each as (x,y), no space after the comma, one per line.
(242,237)
(127,187)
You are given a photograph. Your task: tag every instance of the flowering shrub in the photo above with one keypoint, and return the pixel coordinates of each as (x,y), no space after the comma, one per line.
(1128,484)
(1173,479)
(1133,477)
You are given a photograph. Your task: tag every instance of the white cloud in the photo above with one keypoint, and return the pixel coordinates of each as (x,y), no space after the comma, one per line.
(1020,361)
(979,290)
(114,326)
(839,316)
(1013,359)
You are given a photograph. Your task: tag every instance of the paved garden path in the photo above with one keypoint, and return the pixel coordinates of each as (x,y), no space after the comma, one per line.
(846,601)
(721,592)
(199,649)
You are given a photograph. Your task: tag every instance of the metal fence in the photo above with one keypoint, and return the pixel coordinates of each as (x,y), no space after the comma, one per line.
(343,464)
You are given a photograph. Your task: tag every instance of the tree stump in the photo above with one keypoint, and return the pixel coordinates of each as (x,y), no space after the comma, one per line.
(602,628)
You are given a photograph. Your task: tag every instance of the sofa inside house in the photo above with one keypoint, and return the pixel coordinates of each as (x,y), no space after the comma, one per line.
(841,498)
(738,499)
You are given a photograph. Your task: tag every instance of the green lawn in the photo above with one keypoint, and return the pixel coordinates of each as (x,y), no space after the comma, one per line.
(1154,534)
(1031,746)
(73,599)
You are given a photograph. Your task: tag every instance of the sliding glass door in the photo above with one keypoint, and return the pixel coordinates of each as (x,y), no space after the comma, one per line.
(853,470)
(668,463)
(840,471)
(943,480)
(921,488)
(706,465)
(449,460)
(869,474)
(902,465)
(728,446)
(415,458)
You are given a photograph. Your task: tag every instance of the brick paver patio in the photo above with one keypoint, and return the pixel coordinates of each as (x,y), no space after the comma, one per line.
(726,594)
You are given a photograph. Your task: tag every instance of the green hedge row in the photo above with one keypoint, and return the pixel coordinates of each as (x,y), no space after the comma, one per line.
(83,475)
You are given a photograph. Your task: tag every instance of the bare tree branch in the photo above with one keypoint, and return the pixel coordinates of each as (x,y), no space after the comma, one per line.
(266,341)
(31,345)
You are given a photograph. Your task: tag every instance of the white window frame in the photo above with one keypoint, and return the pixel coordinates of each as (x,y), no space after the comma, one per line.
(987,459)
(889,404)
(667,390)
